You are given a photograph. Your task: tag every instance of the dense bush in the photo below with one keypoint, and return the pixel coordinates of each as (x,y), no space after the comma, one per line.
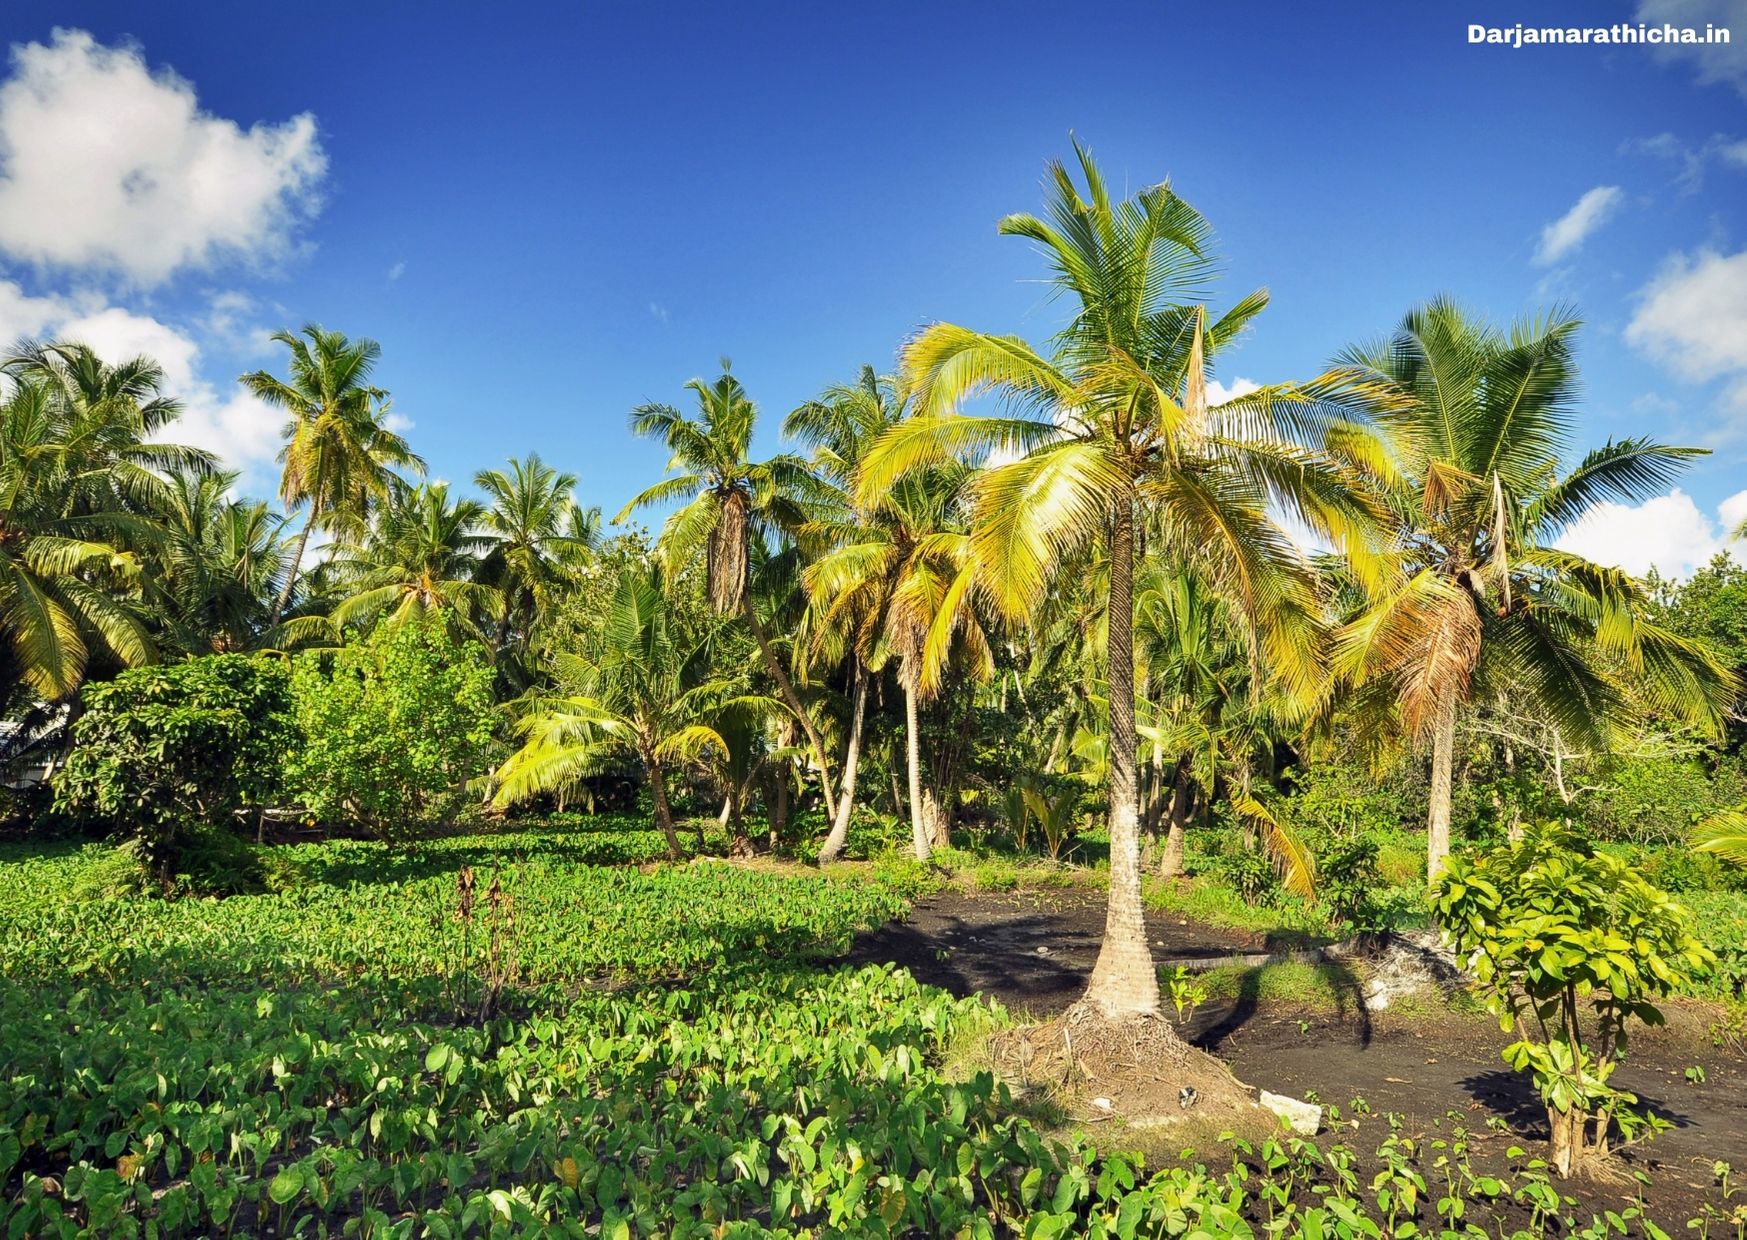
(166,754)
(393,727)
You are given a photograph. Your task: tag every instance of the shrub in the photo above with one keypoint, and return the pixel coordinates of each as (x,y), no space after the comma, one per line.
(394,729)
(1552,927)
(167,754)
(1346,881)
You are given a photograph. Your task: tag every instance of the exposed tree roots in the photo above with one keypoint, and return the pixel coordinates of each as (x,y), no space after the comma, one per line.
(1137,1064)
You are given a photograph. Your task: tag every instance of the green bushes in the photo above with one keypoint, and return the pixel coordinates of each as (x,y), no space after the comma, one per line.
(165,755)
(1559,937)
(393,727)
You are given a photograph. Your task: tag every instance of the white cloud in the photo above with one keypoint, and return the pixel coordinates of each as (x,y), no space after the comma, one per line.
(242,430)
(1218,393)
(658,312)
(1669,533)
(107,165)
(1724,63)
(397,271)
(1692,316)
(1568,232)
(24,317)
(1723,149)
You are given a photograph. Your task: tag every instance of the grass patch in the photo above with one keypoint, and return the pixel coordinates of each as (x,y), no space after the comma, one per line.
(1213,903)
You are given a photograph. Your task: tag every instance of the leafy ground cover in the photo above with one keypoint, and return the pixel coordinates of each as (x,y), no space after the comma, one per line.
(314,1061)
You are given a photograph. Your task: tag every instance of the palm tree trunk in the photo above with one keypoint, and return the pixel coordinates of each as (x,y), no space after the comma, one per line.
(1177,823)
(913,755)
(1124,981)
(1438,817)
(663,814)
(833,846)
(284,599)
(794,702)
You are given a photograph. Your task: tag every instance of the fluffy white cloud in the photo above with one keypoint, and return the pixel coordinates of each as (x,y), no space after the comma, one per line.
(1218,393)
(1669,533)
(1714,62)
(1568,232)
(1692,316)
(242,430)
(107,165)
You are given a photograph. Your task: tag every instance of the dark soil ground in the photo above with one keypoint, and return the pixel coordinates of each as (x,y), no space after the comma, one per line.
(1033,951)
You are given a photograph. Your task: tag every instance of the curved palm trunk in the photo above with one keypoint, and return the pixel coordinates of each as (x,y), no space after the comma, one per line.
(1124,980)
(663,814)
(913,759)
(284,599)
(1438,815)
(787,688)
(833,846)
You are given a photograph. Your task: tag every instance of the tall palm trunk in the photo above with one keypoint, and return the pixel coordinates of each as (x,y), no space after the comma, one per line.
(913,755)
(787,688)
(284,599)
(1124,980)
(834,843)
(658,794)
(1438,817)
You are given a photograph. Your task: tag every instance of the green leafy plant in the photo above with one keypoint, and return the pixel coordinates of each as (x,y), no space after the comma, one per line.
(393,729)
(1557,935)
(1187,991)
(165,754)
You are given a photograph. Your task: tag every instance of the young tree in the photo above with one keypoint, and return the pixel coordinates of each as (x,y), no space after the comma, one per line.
(643,685)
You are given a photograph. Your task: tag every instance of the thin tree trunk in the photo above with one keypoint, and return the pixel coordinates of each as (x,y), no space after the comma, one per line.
(739,843)
(834,842)
(913,756)
(663,814)
(787,689)
(1124,980)
(1438,817)
(284,599)
(1177,823)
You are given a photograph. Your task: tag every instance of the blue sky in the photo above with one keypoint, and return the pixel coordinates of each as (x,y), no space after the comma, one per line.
(549,213)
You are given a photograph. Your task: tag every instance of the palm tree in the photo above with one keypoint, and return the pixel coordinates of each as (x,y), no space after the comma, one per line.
(81,483)
(733,500)
(840,426)
(219,566)
(537,535)
(421,555)
(340,454)
(897,586)
(1122,427)
(1476,601)
(645,687)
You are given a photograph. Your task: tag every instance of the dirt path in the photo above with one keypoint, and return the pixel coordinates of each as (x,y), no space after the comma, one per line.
(1034,952)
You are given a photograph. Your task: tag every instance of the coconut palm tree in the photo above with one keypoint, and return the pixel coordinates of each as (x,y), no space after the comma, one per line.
(422,554)
(644,686)
(896,587)
(732,500)
(537,536)
(1120,425)
(340,453)
(81,484)
(219,565)
(839,426)
(1477,601)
